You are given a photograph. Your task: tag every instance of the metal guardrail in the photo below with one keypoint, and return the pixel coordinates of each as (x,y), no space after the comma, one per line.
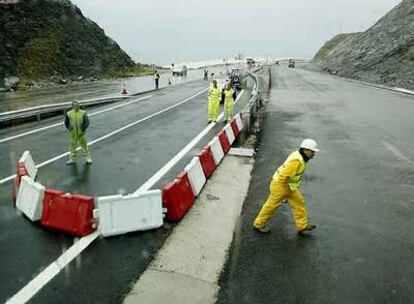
(251,109)
(39,112)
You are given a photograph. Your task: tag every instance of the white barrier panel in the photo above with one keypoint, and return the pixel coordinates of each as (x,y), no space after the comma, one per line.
(30,198)
(229,133)
(119,214)
(216,150)
(239,122)
(29,164)
(195,175)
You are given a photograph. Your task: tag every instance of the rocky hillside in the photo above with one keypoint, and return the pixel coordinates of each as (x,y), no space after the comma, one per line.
(51,39)
(383,54)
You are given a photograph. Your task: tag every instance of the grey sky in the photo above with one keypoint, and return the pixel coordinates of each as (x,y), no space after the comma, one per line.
(165,31)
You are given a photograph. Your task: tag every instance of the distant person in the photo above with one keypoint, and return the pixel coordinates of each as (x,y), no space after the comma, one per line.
(77,121)
(205,74)
(157,79)
(285,184)
(229,96)
(212,76)
(214,96)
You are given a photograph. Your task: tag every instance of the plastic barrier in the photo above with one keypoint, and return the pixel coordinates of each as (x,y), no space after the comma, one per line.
(235,128)
(178,197)
(216,150)
(20,172)
(195,175)
(119,214)
(239,121)
(30,198)
(29,164)
(224,141)
(229,133)
(207,161)
(70,213)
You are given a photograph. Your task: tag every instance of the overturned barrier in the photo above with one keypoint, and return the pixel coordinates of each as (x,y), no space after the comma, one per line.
(30,198)
(119,214)
(69,213)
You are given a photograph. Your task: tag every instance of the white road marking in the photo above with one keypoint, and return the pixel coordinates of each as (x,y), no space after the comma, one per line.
(61,123)
(161,172)
(43,278)
(28,291)
(398,153)
(11,177)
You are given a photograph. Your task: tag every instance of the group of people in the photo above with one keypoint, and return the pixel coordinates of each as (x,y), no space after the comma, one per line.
(215,95)
(285,182)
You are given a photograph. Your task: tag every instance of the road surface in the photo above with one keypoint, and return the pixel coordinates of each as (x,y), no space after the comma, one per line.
(359,190)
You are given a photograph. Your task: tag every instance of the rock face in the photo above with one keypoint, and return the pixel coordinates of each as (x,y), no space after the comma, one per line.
(40,39)
(383,54)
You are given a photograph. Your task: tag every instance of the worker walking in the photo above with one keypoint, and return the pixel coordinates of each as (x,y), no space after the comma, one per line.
(229,98)
(157,79)
(205,74)
(76,121)
(214,96)
(285,185)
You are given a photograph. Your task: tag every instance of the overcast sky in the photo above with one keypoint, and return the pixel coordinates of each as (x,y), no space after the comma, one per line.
(165,31)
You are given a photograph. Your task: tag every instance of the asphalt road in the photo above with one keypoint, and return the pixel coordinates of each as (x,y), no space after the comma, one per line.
(104,272)
(10,101)
(359,191)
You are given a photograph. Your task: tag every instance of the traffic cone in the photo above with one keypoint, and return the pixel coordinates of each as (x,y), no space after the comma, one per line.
(124,91)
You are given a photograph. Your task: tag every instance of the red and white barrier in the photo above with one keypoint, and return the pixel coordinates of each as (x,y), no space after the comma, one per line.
(224,141)
(29,164)
(119,214)
(229,132)
(216,150)
(235,128)
(195,175)
(178,197)
(20,172)
(30,198)
(69,213)
(239,121)
(207,161)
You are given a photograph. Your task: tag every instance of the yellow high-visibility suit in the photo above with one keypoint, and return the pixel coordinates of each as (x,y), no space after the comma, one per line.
(76,121)
(214,96)
(284,185)
(229,97)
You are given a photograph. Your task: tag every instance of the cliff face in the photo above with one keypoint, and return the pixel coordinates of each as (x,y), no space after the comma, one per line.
(44,38)
(384,53)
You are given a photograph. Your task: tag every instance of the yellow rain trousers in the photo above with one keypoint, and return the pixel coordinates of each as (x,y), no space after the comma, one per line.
(281,188)
(228,104)
(214,96)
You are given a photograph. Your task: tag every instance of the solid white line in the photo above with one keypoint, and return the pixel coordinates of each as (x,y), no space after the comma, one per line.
(398,153)
(61,123)
(43,278)
(2,181)
(28,291)
(161,172)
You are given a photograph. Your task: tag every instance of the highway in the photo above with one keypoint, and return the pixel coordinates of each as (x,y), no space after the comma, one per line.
(130,140)
(359,190)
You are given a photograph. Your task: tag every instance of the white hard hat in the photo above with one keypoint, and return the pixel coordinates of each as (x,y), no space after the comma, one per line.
(309,144)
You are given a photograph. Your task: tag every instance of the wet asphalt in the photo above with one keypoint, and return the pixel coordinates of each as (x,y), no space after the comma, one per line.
(359,191)
(105,271)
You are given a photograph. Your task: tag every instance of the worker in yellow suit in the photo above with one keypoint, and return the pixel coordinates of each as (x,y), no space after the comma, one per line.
(229,98)
(214,96)
(76,121)
(285,184)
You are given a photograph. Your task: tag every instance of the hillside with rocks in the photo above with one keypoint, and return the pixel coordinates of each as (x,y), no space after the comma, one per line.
(382,54)
(52,40)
